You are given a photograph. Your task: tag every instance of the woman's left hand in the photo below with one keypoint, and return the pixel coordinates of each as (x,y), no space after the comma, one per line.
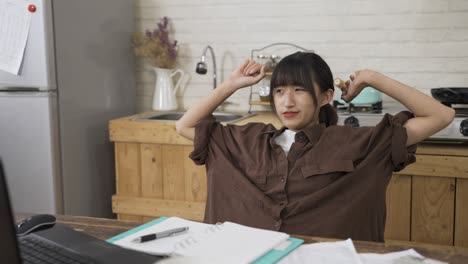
(355,85)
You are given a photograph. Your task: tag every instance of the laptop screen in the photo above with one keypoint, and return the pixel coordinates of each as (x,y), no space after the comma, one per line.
(9,252)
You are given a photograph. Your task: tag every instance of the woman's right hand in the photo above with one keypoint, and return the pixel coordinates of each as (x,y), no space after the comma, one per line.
(247,74)
(353,87)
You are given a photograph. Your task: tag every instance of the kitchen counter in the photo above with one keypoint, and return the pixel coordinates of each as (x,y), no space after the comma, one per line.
(133,129)
(426,202)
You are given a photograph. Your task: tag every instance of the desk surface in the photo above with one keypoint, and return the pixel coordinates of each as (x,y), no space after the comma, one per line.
(106,228)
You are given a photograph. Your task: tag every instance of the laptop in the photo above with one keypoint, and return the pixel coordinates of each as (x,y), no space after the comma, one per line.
(59,244)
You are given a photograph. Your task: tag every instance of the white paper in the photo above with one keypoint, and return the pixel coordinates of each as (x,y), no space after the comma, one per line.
(409,256)
(345,252)
(228,241)
(325,253)
(166,245)
(15,21)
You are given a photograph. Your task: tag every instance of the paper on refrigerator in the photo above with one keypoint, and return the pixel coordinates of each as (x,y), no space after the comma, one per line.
(15,22)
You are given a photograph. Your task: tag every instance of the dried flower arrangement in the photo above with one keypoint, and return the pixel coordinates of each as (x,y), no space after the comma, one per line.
(156,46)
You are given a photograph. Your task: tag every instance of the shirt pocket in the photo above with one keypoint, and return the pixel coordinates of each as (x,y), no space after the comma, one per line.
(334,167)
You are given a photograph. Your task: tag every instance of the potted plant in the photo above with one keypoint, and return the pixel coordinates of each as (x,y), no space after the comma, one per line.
(156,47)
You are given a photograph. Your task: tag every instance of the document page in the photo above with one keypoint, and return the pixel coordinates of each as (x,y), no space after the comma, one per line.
(409,256)
(15,21)
(227,241)
(325,253)
(345,252)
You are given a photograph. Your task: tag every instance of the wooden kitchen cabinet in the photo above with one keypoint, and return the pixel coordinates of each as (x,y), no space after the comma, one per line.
(426,202)
(153,180)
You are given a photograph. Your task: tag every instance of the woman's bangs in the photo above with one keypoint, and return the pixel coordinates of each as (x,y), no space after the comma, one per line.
(291,73)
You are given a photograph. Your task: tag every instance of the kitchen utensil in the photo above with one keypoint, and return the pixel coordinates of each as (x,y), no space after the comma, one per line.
(368,95)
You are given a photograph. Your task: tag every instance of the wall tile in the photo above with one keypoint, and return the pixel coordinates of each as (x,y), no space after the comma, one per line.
(422,43)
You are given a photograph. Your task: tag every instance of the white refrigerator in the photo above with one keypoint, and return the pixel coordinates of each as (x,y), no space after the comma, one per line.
(77,73)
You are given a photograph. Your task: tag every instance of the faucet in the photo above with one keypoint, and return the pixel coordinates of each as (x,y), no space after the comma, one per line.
(202,68)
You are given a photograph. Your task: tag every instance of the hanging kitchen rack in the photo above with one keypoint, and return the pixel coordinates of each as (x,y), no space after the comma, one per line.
(270,56)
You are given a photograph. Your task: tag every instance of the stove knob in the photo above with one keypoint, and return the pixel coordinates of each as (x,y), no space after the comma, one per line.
(351,121)
(464,127)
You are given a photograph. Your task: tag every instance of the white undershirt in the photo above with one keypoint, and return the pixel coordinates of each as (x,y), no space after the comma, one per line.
(285,140)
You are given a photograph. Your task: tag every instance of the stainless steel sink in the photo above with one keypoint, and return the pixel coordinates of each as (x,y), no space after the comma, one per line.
(174,116)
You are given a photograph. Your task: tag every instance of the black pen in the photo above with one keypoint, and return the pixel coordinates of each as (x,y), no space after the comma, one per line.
(162,234)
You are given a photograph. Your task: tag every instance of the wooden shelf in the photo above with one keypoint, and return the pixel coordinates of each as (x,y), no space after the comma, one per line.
(259,103)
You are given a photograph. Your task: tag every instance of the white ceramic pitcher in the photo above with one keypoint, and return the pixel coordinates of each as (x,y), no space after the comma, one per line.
(164,98)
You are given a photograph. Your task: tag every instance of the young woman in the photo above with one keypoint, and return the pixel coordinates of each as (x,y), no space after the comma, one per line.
(310,177)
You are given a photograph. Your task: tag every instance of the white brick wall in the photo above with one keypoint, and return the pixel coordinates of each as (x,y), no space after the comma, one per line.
(423,43)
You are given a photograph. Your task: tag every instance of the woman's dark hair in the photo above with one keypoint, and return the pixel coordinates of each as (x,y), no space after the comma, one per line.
(304,69)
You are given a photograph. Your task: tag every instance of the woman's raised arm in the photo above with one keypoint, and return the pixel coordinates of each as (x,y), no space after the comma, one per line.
(430,115)
(249,73)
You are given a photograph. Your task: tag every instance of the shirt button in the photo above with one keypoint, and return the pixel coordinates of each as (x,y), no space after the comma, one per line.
(282,179)
(277,224)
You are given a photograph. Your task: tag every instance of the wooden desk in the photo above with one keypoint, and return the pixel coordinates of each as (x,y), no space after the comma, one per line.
(106,228)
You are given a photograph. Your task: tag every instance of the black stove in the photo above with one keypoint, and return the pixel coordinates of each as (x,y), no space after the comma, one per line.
(461,111)
(352,108)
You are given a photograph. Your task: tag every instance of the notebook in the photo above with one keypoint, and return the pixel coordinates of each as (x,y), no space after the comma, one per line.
(228,241)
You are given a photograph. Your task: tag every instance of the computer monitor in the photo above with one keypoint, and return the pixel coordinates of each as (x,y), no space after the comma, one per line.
(9,251)
(61,240)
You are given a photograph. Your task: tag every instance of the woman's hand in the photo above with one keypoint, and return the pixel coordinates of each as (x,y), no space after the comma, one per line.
(352,88)
(430,115)
(247,74)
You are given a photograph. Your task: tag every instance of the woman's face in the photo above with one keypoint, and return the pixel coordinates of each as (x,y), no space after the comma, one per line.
(295,107)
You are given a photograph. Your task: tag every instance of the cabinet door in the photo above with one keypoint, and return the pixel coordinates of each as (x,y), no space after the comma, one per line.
(432,214)
(461,216)
(127,170)
(173,172)
(397,226)
(195,179)
(156,180)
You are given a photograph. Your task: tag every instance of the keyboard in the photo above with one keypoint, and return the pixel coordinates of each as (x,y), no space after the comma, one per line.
(38,251)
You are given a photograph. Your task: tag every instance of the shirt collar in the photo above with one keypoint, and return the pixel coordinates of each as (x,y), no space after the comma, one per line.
(273,132)
(313,133)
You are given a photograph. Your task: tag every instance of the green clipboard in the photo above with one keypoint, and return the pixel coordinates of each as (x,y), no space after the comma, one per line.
(272,256)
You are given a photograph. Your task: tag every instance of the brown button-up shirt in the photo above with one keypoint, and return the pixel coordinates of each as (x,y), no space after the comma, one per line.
(332,183)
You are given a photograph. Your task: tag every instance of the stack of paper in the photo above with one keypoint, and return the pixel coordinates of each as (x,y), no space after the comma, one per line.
(344,252)
(401,257)
(324,253)
(233,243)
